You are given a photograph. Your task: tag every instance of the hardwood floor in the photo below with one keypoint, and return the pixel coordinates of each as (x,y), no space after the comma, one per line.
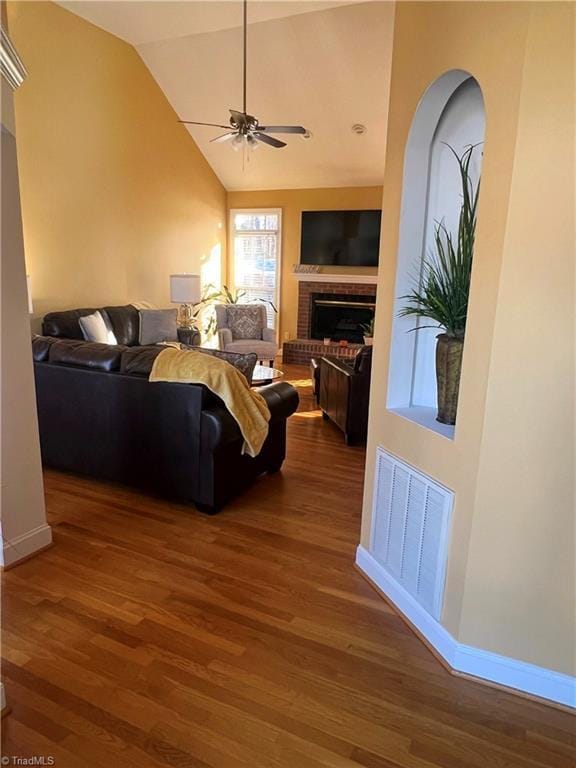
(151,635)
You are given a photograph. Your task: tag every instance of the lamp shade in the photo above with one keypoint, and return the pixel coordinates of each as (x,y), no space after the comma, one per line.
(185,289)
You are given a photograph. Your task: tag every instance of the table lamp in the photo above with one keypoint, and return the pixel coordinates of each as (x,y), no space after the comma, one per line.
(185,289)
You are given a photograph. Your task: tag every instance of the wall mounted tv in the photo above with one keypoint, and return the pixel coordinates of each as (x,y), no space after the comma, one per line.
(340,238)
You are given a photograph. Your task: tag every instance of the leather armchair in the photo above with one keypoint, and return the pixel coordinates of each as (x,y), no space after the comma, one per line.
(266,347)
(344,393)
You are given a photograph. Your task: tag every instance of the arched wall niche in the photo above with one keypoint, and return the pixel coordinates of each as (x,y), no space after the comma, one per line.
(451,111)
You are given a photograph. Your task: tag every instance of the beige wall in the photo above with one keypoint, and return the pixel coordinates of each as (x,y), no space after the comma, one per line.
(115,193)
(22,512)
(511,566)
(524,516)
(293,202)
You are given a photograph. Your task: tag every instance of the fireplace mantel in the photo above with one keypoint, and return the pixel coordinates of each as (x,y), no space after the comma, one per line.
(322,277)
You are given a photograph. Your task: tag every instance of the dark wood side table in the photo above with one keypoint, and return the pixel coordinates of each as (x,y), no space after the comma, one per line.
(189,336)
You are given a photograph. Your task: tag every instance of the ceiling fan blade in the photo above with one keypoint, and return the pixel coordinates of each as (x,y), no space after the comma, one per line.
(282,129)
(224,137)
(212,125)
(268,139)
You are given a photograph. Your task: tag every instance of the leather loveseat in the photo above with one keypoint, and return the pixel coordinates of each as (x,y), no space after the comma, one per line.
(100,416)
(344,392)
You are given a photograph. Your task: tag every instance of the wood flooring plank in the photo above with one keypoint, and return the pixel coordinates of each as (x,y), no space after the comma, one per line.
(150,635)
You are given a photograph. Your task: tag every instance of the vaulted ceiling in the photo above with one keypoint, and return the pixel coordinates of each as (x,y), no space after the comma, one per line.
(324,65)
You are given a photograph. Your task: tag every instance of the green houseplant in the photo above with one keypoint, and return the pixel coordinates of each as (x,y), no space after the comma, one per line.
(368,331)
(204,322)
(231,296)
(236,296)
(441,294)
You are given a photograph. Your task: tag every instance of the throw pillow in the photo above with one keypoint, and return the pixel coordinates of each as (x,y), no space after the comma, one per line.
(244,363)
(97,328)
(245,321)
(158,325)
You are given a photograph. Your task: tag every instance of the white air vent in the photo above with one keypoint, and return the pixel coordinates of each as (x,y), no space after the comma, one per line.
(410,529)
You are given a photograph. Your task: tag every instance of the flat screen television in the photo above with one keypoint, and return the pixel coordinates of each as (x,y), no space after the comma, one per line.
(340,238)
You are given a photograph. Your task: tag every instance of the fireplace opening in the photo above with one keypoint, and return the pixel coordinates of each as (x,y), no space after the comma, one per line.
(340,316)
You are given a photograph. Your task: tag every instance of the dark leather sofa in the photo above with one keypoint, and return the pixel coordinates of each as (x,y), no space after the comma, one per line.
(99,415)
(125,321)
(343,391)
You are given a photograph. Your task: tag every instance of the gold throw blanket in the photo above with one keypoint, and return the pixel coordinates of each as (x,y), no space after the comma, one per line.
(247,407)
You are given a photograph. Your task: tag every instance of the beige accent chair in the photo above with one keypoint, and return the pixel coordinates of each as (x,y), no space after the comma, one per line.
(265,347)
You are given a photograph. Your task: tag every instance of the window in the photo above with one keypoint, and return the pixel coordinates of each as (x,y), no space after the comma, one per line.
(256,257)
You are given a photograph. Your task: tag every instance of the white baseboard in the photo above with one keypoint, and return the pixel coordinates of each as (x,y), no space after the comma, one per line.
(485,665)
(25,545)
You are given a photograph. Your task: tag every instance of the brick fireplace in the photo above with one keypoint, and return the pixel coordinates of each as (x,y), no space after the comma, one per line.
(300,350)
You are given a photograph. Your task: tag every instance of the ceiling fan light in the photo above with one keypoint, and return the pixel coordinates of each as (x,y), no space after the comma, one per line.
(237,142)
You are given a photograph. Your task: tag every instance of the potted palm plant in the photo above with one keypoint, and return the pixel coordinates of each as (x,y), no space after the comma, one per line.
(442,291)
(231,296)
(368,331)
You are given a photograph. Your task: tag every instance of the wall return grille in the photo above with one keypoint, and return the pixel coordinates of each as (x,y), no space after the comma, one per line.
(410,529)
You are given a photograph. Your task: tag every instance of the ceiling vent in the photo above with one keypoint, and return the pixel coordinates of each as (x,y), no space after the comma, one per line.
(410,528)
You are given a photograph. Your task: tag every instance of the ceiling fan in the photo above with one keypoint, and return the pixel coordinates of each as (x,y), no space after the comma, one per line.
(245,130)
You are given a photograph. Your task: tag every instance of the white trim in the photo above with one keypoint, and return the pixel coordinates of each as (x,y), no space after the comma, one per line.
(25,545)
(321,277)
(513,673)
(485,665)
(432,630)
(11,66)
(425,417)
(411,353)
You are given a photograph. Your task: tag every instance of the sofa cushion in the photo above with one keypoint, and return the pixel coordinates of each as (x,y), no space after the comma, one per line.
(125,324)
(41,347)
(65,324)
(245,321)
(97,327)
(86,354)
(157,325)
(138,361)
(244,363)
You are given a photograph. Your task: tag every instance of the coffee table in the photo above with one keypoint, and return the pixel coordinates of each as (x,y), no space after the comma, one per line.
(265,375)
